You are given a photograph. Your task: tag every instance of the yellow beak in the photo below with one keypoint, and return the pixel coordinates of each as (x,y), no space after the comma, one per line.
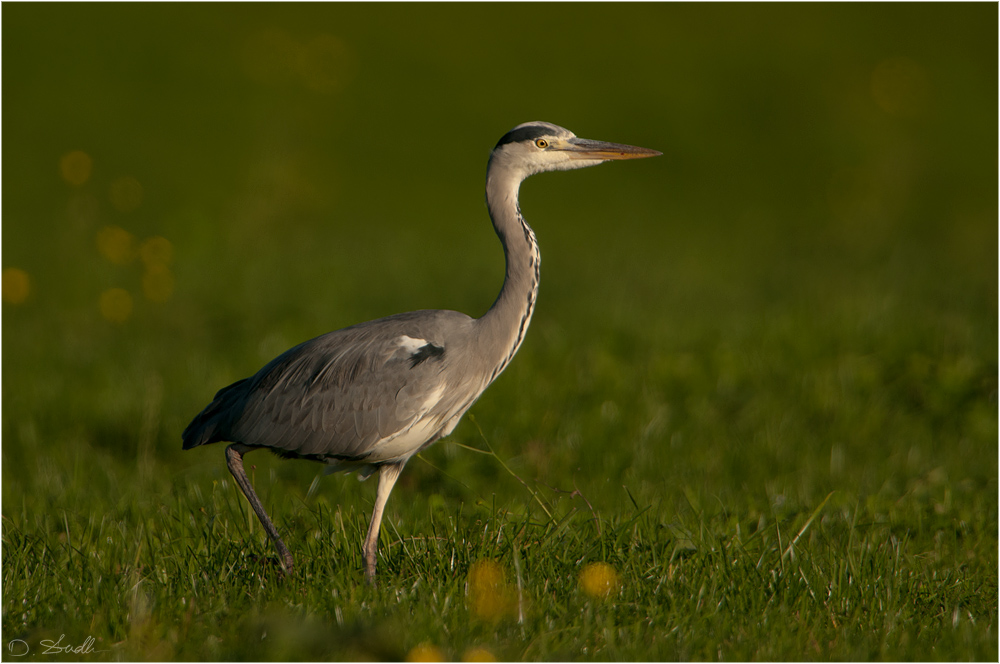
(582,148)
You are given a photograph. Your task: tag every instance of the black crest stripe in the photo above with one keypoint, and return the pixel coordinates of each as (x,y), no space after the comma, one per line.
(529,133)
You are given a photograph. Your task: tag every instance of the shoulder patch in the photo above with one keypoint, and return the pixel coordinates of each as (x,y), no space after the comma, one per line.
(425,352)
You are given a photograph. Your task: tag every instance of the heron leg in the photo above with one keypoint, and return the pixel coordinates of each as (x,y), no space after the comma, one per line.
(234,459)
(387,476)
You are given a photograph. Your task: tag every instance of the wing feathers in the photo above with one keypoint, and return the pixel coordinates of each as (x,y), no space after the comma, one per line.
(341,397)
(371,391)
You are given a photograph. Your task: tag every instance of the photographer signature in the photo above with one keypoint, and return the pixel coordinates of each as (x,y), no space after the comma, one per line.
(19,648)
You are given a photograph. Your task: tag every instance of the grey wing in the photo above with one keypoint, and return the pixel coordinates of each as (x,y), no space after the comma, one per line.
(342,394)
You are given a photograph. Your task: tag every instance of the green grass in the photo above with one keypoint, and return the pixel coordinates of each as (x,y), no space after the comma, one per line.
(760,383)
(189,575)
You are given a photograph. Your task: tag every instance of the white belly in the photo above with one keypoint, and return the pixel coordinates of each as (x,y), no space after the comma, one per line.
(404,444)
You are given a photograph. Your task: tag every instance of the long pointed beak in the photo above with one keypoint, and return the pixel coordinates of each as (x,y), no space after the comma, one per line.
(582,148)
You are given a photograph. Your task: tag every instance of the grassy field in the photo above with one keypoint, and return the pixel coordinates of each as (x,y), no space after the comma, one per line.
(755,416)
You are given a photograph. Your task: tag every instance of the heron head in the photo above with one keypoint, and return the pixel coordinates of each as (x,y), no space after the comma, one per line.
(535,147)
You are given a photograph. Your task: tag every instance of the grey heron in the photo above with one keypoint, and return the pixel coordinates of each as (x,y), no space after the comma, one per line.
(368,397)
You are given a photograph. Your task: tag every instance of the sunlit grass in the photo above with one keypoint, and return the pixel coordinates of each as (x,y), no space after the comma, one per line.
(860,583)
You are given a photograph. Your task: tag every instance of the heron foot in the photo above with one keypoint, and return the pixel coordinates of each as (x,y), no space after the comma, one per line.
(287,562)
(265,563)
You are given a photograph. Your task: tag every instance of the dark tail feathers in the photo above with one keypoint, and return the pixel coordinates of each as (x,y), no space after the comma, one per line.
(212,424)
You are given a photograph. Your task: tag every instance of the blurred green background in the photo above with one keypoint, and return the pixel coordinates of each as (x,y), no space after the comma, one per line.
(800,296)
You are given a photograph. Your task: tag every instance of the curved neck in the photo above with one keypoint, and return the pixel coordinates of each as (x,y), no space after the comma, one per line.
(503,327)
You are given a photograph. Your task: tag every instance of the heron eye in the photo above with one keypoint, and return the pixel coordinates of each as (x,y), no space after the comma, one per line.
(541,143)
